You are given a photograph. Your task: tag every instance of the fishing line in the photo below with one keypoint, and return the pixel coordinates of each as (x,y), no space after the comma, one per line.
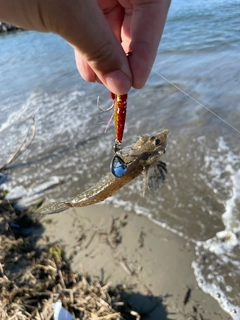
(199,103)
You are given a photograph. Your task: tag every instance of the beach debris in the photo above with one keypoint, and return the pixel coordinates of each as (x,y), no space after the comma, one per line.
(91,239)
(141,239)
(113,238)
(136,314)
(104,236)
(123,263)
(195,309)
(145,287)
(123,220)
(187,296)
(36,281)
(27,140)
(116,237)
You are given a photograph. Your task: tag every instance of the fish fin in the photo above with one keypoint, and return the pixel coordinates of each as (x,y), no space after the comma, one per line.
(156,175)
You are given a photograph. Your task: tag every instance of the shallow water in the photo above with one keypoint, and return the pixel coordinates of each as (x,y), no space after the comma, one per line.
(199,53)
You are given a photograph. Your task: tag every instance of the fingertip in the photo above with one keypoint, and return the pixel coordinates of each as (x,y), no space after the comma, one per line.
(117,82)
(140,62)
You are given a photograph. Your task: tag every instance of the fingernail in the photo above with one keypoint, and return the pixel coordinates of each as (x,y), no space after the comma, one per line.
(117,82)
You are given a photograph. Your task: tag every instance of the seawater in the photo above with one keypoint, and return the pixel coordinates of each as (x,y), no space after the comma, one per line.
(199,53)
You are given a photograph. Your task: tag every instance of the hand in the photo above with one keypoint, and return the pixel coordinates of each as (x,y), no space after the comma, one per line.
(101,34)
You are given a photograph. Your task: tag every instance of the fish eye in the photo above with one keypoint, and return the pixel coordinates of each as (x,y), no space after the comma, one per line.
(157,142)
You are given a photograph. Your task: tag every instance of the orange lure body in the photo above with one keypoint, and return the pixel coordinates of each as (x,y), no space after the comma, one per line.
(120,111)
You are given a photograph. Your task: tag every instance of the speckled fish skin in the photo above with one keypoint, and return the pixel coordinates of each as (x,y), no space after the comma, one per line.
(141,156)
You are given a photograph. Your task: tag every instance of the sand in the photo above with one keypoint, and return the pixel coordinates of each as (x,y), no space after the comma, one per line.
(124,248)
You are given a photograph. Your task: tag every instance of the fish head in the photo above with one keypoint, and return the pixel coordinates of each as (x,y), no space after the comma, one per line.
(156,143)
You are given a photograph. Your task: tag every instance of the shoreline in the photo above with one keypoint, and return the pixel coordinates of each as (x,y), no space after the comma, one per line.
(124,248)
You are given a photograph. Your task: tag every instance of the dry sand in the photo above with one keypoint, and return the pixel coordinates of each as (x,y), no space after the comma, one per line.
(123,248)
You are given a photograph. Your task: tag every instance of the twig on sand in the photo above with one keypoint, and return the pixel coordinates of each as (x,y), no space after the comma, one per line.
(136,314)
(187,296)
(90,239)
(110,316)
(20,148)
(146,289)
(141,239)
(15,316)
(61,279)
(125,266)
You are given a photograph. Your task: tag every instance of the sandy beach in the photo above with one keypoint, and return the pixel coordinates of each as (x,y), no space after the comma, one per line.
(123,248)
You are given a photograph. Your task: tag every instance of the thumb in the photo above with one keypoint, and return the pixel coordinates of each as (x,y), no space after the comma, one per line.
(108,69)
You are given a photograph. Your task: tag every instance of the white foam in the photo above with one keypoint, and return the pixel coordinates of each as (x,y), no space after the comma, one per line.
(225,241)
(215,291)
(231,216)
(17,116)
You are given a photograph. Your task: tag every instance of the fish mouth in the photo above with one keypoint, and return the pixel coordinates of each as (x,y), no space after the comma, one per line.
(161,150)
(166,132)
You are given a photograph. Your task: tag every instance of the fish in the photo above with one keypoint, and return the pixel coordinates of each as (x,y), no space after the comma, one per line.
(143,157)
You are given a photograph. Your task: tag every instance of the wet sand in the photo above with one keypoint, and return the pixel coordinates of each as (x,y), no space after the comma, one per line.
(123,248)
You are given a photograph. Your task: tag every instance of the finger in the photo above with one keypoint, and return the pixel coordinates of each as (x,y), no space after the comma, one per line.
(99,47)
(143,26)
(114,14)
(84,69)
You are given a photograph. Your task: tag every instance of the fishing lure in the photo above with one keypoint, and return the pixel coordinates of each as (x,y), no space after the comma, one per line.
(119,114)
(118,166)
(119,107)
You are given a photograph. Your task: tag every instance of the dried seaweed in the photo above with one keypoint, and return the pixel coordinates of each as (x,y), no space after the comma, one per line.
(33,276)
